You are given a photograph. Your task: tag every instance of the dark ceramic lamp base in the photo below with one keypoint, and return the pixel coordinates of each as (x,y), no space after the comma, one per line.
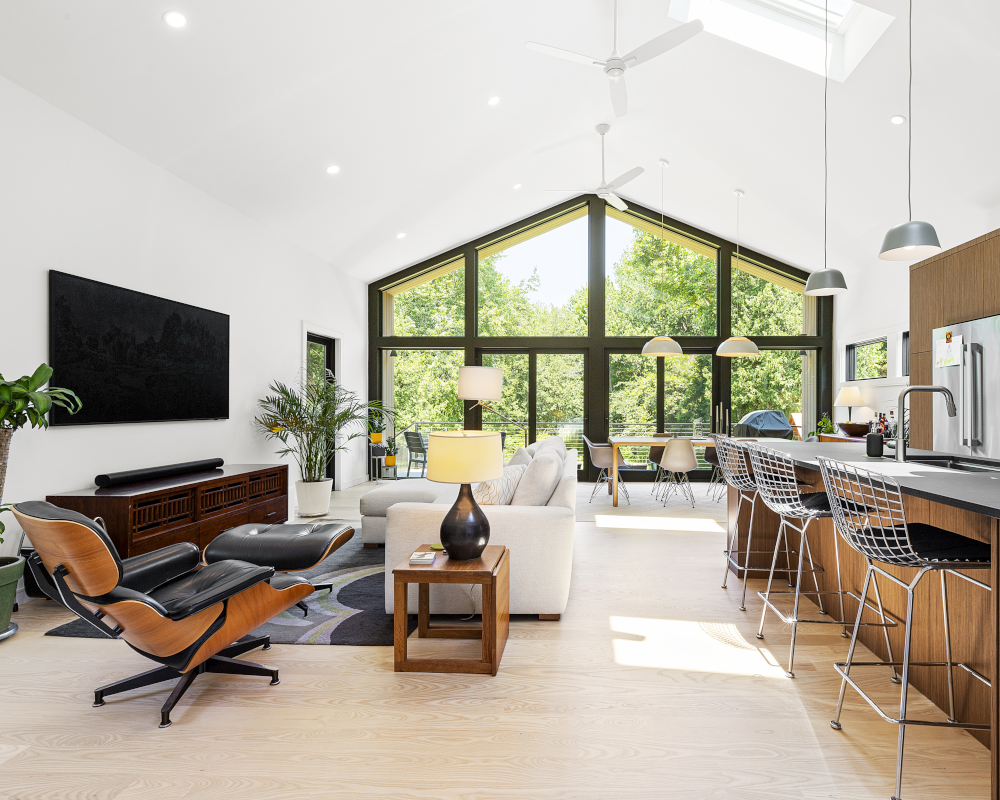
(465,531)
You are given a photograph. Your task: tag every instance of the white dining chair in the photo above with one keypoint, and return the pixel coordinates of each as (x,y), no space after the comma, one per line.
(677,461)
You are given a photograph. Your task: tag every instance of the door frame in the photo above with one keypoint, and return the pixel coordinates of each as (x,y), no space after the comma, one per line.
(335,468)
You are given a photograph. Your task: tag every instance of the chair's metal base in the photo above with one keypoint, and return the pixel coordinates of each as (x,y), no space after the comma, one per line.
(317,587)
(604,479)
(675,482)
(11,630)
(223,662)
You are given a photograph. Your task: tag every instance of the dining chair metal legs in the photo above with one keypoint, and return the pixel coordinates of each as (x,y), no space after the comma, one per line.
(603,479)
(844,667)
(676,482)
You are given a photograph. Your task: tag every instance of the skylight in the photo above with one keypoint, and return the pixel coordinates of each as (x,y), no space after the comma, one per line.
(793,30)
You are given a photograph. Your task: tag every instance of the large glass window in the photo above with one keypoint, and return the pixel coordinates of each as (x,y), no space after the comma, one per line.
(534,283)
(658,281)
(867,360)
(514,403)
(770,381)
(431,304)
(766,302)
(559,388)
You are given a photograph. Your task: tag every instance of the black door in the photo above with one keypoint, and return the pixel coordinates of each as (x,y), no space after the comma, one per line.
(320,357)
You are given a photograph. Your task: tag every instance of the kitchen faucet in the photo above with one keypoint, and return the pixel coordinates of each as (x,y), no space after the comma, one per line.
(949,400)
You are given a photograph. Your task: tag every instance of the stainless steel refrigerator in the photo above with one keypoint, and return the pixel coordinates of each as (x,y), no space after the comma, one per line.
(966,359)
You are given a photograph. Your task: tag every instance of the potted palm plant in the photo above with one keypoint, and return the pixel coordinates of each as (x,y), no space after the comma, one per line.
(313,420)
(23,402)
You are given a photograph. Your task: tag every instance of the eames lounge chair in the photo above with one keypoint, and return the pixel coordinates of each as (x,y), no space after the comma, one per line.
(166,604)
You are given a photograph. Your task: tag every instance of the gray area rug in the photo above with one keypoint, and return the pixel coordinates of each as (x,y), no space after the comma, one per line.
(352,613)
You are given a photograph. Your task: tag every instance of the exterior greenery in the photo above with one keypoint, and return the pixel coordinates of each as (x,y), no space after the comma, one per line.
(576,367)
(871,360)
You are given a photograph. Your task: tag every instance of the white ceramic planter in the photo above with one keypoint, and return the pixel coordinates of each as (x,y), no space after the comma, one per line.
(313,497)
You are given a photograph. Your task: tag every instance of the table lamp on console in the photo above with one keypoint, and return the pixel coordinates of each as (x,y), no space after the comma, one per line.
(464,457)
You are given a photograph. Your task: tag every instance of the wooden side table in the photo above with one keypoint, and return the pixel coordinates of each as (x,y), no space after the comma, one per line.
(492,571)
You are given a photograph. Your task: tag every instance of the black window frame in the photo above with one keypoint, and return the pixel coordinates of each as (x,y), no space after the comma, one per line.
(851,364)
(906,354)
(596,343)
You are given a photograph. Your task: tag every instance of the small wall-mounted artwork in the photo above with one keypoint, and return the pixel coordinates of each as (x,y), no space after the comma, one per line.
(133,357)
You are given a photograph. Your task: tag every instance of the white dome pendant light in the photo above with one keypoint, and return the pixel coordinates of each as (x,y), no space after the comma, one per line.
(827,281)
(662,345)
(736,346)
(911,240)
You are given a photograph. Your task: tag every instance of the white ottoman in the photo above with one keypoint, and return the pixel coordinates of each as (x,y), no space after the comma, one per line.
(375,504)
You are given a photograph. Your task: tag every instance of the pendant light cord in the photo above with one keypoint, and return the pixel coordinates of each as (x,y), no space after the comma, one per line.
(826,91)
(909,122)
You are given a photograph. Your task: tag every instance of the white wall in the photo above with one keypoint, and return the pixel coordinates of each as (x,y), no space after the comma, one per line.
(74,200)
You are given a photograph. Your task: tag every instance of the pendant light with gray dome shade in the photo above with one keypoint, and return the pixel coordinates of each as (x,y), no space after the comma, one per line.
(911,240)
(827,281)
(662,346)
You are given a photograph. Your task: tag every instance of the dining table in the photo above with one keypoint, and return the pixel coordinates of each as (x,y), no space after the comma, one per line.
(647,440)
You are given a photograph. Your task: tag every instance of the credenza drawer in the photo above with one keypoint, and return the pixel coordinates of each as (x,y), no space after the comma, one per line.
(272,512)
(209,529)
(151,543)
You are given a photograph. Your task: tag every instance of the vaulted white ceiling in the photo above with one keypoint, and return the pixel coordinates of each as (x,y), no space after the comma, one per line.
(253,100)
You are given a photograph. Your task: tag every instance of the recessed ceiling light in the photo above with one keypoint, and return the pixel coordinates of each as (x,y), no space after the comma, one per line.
(897,119)
(400,235)
(493,100)
(664,162)
(333,169)
(175,19)
(517,186)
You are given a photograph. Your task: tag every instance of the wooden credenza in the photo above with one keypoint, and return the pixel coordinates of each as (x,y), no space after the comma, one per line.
(193,508)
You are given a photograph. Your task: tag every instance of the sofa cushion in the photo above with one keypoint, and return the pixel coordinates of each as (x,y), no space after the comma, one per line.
(539,480)
(553,443)
(376,502)
(532,448)
(521,456)
(499,492)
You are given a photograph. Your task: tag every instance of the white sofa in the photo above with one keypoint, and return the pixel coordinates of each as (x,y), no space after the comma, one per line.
(540,540)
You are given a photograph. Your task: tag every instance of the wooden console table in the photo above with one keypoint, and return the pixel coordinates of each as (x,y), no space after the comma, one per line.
(492,571)
(146,516)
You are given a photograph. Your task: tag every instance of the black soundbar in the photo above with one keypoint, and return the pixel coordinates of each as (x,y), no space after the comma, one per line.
(153,473)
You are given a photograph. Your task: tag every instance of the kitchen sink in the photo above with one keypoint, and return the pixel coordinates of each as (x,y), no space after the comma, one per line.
(956,463)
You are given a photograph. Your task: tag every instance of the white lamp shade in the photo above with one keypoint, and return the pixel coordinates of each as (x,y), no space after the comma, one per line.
(849,396)
(479,383)
(662,346)
(464,457)
(736,346)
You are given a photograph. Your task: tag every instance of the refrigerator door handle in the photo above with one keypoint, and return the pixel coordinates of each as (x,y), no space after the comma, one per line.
(963,408)
(976,398)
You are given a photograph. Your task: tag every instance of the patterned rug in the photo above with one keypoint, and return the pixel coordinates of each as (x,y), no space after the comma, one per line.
(352,613)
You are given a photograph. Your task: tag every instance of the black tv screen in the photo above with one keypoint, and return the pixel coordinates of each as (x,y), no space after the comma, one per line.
(132,357)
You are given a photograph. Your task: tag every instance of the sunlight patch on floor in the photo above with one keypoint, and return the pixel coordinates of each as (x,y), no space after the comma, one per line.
(690,646)
(659,523)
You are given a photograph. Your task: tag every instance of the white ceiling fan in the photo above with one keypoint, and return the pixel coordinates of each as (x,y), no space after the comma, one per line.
(606,191)
(615,65)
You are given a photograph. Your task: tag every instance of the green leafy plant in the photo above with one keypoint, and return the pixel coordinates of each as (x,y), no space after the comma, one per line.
(825,425)
(376,423)
(391,447)
(313,420)
(24,402)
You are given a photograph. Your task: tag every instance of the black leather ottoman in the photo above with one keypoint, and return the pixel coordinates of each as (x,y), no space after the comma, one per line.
(287,548)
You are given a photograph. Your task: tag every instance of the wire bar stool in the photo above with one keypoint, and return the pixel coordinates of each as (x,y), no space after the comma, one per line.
(716,488)
(737,473)
(780,490)
(868,512)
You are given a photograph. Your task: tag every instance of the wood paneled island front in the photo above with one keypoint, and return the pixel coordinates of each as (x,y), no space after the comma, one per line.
(964,502)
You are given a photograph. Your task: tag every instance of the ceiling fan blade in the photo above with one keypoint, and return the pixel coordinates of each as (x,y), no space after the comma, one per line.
(621,180)
(664,42)
(616,201)
(619,97)
(572,191)
(569,55)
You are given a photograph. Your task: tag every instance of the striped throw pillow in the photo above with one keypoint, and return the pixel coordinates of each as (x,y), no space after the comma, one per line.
(499,492)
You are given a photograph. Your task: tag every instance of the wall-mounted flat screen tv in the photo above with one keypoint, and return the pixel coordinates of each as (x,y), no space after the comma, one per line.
(132,357)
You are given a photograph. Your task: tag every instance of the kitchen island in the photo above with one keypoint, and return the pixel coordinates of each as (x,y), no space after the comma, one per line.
(967,503)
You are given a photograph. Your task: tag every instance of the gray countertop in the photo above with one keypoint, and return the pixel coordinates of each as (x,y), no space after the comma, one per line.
(973,491)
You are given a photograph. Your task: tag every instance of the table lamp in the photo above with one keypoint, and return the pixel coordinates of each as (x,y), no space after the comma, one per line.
(483,384)
(464,457)
(849,396)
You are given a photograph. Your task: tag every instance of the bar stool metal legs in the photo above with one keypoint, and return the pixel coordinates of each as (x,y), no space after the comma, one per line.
(732,546)
(844,668)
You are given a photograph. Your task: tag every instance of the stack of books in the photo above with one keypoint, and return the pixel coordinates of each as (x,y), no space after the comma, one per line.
(422,557)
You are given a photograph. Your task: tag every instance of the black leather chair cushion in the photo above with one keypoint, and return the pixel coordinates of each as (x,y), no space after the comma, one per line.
(282,581)
(150,570)
(209,585)
(940,546)
(287,548)
(817,501)
(711,456)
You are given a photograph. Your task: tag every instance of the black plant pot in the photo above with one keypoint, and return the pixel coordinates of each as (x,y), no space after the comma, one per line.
(465,531)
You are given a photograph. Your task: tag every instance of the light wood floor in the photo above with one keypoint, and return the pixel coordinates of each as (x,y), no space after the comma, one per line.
(651,686)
